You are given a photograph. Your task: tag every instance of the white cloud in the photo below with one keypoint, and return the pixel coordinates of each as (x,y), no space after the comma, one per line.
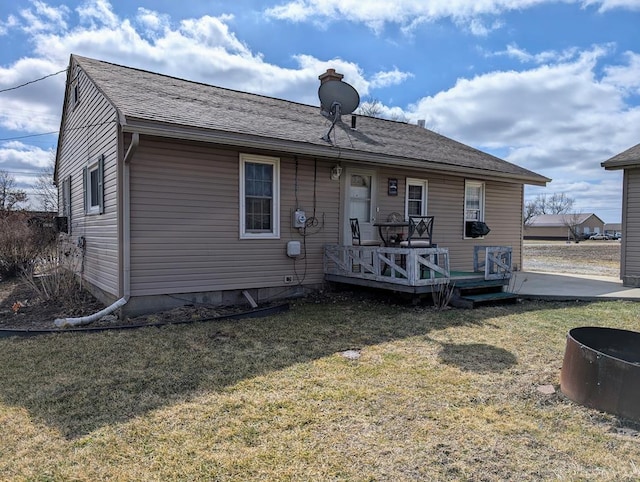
(514,52)
(391,77)
(35,107)
(625,76)
(606,5)
(42,17)
(22,156)
(481,29)
(153,23)
(410,13)
(97,12)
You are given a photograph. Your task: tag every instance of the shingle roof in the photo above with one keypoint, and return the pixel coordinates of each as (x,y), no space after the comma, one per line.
(628,158)
(552,220)
(146,98)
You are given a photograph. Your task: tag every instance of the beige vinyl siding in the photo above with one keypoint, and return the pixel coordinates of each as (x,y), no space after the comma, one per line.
(630,259)
(89,131)
(185,228)
(445,201)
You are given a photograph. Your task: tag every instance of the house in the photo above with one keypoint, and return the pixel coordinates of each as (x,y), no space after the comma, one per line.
(613,229)
(568,226)
(177,192)
(629,162)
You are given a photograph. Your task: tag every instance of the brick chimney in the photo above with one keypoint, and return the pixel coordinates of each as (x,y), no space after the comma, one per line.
(330,74)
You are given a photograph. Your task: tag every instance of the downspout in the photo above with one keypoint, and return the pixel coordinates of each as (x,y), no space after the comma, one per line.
(126,249)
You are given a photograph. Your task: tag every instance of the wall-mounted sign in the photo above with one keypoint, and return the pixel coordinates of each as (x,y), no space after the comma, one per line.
(393,187)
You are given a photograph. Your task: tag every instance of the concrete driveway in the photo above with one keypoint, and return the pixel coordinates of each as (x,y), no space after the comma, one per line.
(564,286)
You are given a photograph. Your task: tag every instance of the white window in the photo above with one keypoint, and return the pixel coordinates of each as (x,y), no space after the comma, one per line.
(93,181)
(415,198)
(473,205)
(259,197)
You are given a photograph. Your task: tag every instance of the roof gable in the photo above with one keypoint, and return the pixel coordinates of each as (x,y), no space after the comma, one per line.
(553,220)
(177,107)
(628,158)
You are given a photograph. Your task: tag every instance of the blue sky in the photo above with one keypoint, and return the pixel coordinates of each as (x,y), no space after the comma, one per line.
(553,86)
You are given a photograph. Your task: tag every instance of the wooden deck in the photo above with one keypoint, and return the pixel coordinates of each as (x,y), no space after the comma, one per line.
(413,270)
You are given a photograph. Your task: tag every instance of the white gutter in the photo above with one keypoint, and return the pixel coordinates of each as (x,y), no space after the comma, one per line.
(126,250)
(126,214)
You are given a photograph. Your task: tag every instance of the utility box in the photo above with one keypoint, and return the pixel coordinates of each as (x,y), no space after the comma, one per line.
(293,249)
(299,218)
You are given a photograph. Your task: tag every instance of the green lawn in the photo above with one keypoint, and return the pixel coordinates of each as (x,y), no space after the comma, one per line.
(435,395)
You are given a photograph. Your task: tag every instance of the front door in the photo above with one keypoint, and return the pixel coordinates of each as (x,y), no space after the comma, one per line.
(360,202)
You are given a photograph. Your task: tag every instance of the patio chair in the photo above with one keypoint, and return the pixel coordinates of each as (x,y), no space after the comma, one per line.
(420,233)
(420,236)
(356,240)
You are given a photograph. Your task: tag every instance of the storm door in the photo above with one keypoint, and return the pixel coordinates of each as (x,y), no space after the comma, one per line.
(360,202)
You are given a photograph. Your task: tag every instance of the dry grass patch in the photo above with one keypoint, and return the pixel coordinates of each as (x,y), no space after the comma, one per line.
(434,395)
(600,258)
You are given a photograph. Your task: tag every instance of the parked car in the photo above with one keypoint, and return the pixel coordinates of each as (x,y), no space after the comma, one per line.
(616,235)
(599,236)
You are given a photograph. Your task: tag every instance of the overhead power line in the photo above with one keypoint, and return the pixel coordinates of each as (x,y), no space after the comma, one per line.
(29,135)
(32,81)
(56,132)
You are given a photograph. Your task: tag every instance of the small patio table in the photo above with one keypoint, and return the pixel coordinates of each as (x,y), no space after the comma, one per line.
(384,228)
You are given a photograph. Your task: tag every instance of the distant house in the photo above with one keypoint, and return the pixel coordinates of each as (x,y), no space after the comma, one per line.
(178,192)
(629,162)
(563,226)
(612,228)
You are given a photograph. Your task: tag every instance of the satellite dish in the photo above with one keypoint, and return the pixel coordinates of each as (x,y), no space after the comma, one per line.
(336,91)
(337,98)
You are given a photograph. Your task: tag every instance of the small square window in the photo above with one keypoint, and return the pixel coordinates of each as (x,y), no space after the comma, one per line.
(93,180)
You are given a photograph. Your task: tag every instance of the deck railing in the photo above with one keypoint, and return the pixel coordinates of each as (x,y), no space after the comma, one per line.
(495,261)
(405,266)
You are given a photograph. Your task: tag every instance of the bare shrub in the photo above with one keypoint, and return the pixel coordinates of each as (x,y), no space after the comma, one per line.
(51,276)
(20,243)
(442,295)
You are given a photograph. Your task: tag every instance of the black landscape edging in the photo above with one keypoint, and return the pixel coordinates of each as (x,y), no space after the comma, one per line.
(257,313)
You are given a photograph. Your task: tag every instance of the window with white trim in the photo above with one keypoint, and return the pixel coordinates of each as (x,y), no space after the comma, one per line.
(473,205)
(259,197)
(93,181)
(415,198)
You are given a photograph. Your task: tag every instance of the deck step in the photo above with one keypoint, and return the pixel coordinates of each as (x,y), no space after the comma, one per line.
(502,297)
(479,283)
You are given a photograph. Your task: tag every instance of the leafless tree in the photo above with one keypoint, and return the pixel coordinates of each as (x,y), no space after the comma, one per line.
(557,203)
(10,196)
(572,222)
(399,118)
(370,107)
(45,189)
(530,211)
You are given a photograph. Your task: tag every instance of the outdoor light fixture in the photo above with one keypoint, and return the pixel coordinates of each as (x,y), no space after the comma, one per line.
(336,171)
